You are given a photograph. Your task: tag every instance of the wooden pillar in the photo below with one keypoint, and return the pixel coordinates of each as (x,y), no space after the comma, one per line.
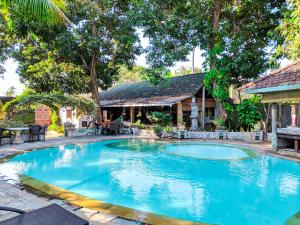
(274,127)
(294,115)
(179,114)
(298,115)
(203,109)
(132,119)
(296,145)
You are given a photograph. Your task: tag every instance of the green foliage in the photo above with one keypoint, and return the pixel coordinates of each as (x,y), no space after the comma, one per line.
(247,29)
(158,130)
(4,45)
(185,71)
(54,121)
(168,129)
(25,117)
(139,124)
(222,83)
(46,12)
(54,101)
(249,113)
(130,75)
(290,29)
(11,123)
(159,118)
(11,91)
(219,123)
(60,59)
(120,119)
(2,113)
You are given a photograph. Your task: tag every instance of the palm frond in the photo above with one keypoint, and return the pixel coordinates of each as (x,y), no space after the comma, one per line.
(45,11)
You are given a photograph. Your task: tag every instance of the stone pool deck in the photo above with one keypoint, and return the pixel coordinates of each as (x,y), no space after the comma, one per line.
(14,195)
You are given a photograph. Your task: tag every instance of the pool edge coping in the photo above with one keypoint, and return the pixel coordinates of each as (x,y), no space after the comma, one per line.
(86,202)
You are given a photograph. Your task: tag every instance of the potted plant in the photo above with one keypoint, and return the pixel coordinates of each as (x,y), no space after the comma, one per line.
(219,123)
(220,127)
(158,130)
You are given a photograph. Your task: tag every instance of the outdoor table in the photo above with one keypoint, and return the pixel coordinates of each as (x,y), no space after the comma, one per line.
(18,130)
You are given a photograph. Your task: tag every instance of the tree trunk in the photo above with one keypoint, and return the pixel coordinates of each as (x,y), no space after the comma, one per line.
(219,112)
(193,61)
(94,80)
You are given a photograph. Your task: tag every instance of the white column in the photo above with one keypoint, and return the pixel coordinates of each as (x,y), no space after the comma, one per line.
(274,127)
(294,115)
(194,114)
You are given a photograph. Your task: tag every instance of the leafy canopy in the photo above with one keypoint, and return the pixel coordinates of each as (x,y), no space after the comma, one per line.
(249,113)
(46,12)
(290,28)
(59,59)
(54,101)
(247,30)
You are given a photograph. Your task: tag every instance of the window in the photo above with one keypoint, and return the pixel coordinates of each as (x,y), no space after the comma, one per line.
(84,124)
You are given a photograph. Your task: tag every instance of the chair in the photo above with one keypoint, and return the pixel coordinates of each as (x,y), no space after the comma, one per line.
(4,133)
(115,127)
(36,130)
(97,128)
(49,215)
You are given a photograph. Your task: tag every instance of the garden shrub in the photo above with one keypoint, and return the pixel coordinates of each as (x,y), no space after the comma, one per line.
(25,117)
(219,123)
(168,129)
(11,123)
(158,130)
(139,124)
(160,118)
(249,113)
(54,121)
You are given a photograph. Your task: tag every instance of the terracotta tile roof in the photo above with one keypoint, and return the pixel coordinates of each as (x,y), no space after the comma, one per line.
(171,91)
(288,75)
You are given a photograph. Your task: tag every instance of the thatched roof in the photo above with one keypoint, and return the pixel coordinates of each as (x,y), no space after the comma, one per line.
(5,99)
(286,78)
(171,91)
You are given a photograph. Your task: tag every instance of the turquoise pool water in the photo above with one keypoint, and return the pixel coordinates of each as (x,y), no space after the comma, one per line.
(207,151)
(141,174)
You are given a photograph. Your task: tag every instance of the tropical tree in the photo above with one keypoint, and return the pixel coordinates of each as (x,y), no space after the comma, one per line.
(48,12)
(11,91)
(290,28)
(235,37)
(77,59)
(130,75)
(3,46)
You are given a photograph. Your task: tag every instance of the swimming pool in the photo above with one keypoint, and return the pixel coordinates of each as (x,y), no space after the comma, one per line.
(163,178)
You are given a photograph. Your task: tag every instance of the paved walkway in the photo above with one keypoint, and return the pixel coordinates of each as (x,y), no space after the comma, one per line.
(17,197)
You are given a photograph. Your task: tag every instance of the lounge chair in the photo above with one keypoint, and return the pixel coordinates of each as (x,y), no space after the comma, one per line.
(49,215)
(36,130)
(4,133)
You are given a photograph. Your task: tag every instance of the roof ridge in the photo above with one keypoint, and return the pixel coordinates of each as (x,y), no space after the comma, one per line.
(167,78)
